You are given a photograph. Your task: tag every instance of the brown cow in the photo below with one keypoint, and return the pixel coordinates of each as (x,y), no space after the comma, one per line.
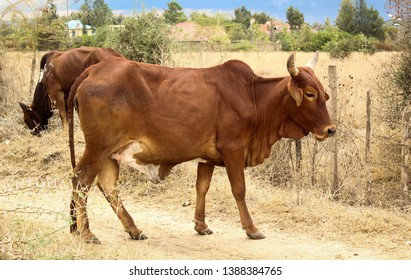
(58,71)
(153,118)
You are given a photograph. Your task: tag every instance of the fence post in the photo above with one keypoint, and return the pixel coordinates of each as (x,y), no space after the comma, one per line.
(313,159)
(298,158)
(333,81)
(298,154)
(368,145)
(32,72)
(405,149)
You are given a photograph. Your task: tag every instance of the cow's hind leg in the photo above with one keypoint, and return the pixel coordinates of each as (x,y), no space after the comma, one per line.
(81,181)
(107,182)
(204,174)
(84,174)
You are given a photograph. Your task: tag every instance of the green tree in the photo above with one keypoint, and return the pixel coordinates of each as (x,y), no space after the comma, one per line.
(174,14)
(359,19)
(145,38)
(102,14)
(50,31)
(374,25)
(261,18)
(243,16)
(96,13)
(86,13)
(346,17)
(294,18)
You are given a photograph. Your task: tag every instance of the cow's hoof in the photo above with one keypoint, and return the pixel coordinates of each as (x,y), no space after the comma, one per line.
(87,237)
(206,231)
(141,236)
(256,235)
(73,228)
(202,228)
(93,240)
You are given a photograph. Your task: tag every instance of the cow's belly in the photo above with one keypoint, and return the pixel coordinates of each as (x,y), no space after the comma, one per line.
(147,160)
(129,156)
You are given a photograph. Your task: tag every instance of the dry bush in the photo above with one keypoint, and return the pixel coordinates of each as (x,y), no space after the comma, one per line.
(15,75)
(3,87)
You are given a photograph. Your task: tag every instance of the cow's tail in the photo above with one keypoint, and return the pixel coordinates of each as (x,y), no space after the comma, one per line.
(70,111)
(44,60)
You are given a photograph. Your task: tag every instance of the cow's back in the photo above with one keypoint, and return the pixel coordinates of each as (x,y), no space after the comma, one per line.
(67,66)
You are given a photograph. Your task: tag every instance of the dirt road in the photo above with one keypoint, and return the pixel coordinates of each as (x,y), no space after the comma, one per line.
(171,234)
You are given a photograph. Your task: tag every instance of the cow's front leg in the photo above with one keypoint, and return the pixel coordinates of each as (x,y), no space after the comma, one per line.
(234,162)
(61,105)
(204,174)
(58,102)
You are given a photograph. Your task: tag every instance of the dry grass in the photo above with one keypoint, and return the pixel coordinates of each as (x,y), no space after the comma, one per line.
(35,171)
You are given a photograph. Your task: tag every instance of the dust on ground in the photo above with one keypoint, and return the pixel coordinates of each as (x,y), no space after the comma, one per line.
(171,234)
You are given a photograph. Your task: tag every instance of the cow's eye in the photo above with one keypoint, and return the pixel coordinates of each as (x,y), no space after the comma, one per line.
(310,95)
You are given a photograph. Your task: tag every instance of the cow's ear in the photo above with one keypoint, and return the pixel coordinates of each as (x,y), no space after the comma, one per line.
(295,92)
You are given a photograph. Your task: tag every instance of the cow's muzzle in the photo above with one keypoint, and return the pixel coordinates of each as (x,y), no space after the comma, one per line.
(328,132)
(331,131)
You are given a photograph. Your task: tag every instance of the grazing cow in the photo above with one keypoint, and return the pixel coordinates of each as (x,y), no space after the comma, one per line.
(152,118)
(58,71)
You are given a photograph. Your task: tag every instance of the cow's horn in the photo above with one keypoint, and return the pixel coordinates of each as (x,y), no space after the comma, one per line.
(23,106)
(291,65)
(311,64)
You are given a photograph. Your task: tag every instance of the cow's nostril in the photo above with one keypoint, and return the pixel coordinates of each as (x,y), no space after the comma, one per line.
(331,131)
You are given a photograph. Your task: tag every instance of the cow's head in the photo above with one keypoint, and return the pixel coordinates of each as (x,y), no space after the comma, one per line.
(32,119)
(36,115)
(309,112)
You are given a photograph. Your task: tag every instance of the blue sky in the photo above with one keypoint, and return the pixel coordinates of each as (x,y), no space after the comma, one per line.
(313,10)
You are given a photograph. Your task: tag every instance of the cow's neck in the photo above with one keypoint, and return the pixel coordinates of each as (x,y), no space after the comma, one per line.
(41,103)
(271,120)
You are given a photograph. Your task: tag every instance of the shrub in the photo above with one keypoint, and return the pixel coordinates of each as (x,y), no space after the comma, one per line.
(288,40)
(106,37)
(235,31)
(239,46)
(339,49)
(84,40)
(145,38)
(347,43)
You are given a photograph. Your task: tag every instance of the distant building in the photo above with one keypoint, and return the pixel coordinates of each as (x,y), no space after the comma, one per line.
(274,26)
(393,22)
(76,29)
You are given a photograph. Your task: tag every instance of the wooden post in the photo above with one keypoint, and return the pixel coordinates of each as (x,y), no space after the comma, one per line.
(298,154)
(313,159)
(405,149)
(368,145)
(32,72)
(298,158)
(333,80)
